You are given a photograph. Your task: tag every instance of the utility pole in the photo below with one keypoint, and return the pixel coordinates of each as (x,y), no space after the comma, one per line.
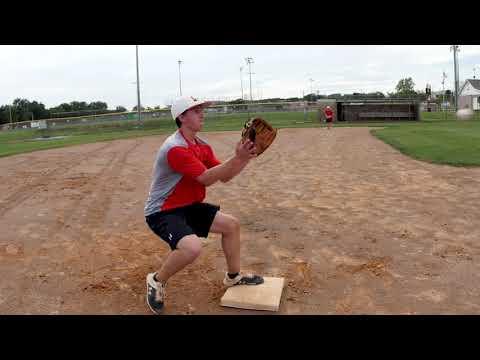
(444,76)
(455,49)
(249,61)
(180,76)
(241,80)
(138,92)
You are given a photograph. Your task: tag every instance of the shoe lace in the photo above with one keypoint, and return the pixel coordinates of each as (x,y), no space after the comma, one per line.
(242,276)
(158,292)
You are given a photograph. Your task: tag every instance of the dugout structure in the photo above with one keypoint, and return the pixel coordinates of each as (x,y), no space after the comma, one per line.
(374,110)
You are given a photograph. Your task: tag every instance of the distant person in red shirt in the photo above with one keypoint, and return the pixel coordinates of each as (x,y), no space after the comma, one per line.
(328,116)
(174,210)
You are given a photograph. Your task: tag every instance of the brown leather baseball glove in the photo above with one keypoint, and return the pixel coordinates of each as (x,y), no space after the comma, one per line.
(260,132)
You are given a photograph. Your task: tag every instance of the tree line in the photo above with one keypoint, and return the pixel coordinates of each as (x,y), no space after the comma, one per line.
(405,88)
(26,110)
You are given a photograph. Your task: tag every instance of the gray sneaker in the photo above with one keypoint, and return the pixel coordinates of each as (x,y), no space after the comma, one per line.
(155,294)
(242,279)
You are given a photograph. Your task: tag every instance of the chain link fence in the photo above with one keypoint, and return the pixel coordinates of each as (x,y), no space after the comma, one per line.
(212,112)
(217,111)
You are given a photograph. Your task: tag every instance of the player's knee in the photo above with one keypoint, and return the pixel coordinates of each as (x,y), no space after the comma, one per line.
(192,247)
(196,250)
(193,252)
(234,224)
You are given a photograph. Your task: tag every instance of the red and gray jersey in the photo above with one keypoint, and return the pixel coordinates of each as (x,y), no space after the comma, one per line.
(328,113)
(178,163)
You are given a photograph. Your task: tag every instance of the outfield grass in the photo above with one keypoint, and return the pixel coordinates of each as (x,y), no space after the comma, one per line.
(437,138)
(453,142)
(21,141)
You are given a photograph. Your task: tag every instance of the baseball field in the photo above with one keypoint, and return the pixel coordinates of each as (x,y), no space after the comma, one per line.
(377,218)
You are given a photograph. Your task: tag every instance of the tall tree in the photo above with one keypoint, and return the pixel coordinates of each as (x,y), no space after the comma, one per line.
(405,88)
(98,105)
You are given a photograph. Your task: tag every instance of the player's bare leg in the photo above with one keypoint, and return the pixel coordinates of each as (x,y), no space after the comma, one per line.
(229,227)
(188,249)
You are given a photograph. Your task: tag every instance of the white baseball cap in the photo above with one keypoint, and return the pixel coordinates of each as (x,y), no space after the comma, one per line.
(184,103)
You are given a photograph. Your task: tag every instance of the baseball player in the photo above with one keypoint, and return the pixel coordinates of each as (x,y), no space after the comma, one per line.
(328,116)
(174,210)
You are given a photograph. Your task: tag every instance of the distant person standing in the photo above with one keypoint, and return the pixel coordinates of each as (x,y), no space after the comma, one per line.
(328,116)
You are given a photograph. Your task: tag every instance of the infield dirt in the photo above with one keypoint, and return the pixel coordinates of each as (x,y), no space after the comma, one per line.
(353,226)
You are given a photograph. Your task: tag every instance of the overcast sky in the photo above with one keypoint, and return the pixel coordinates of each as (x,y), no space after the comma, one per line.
(57,74)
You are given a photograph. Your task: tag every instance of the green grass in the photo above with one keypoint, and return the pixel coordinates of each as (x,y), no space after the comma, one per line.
(450,142)
(22,141)
(437,139)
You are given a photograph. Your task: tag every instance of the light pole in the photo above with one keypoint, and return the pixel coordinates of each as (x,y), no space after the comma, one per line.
(311,87)
(241,80)
(444,76)
(249,61)
(180,76)
(138,91)
(455,49)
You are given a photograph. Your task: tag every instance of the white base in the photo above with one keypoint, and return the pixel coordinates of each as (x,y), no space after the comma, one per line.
(265,296)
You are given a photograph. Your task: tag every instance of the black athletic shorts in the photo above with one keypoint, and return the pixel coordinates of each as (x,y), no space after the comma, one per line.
(329,120)
(173,225)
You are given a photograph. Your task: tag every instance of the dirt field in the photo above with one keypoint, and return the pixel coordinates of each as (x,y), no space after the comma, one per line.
(354,226)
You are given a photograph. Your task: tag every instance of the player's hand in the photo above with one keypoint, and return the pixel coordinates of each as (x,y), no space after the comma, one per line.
(245,151)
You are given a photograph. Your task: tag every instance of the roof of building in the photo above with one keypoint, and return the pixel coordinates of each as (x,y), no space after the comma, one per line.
(474,82)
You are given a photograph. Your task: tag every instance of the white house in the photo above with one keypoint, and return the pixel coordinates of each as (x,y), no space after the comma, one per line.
(469,95)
